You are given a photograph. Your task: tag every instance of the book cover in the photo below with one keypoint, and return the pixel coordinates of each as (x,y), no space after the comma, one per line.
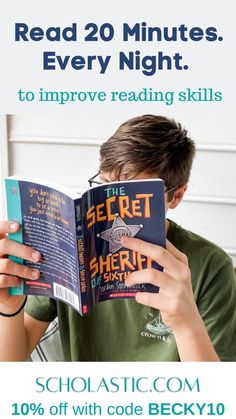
(83,261)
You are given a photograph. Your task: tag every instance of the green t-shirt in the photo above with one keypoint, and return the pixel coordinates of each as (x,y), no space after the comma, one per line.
(123,330)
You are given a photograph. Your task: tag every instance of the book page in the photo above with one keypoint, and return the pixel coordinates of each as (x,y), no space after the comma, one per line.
(48,225)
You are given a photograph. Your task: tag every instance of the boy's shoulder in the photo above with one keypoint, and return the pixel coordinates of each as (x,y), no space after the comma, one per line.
(211,267)
(199,250)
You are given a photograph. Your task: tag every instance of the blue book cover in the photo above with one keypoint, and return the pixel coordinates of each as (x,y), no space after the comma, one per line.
(83,261)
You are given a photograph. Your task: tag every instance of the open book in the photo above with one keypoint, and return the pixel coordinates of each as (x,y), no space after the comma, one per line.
(83,261)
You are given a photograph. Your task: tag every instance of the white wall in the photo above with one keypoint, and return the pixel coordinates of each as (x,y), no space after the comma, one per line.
(64,148)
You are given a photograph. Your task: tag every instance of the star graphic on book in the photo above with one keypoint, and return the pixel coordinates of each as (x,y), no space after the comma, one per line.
(118,229)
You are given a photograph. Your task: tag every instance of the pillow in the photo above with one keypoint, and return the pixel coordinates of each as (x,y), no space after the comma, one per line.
(49,348)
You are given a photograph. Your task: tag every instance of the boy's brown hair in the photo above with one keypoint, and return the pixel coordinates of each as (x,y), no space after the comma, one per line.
(153,144)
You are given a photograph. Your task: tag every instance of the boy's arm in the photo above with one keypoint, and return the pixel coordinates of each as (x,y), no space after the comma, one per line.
(18,334)
(195,344)
(175,299)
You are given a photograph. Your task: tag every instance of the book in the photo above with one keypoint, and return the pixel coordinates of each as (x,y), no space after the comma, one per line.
(78,235)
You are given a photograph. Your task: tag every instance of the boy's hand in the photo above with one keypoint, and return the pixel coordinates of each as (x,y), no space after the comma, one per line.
(175,299)
(11,272)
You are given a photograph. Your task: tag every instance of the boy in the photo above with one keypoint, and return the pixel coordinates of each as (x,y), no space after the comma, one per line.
(192,318)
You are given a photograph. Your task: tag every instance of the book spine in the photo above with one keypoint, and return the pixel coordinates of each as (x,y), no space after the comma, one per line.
(14,214)
(84,290)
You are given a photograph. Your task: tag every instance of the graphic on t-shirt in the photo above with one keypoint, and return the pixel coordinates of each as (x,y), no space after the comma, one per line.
(157,326)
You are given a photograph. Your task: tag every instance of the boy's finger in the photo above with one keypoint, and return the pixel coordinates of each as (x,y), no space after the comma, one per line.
(176,252)
(8,227)
(7,266)
(9,281)
(153,251)
(151,276)
(154,300)
(10,247)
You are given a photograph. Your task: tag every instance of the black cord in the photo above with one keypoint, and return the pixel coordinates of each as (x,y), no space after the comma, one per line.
(17,312)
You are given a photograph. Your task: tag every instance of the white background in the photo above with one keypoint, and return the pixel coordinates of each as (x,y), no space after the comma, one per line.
(62,143)
(212,378)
